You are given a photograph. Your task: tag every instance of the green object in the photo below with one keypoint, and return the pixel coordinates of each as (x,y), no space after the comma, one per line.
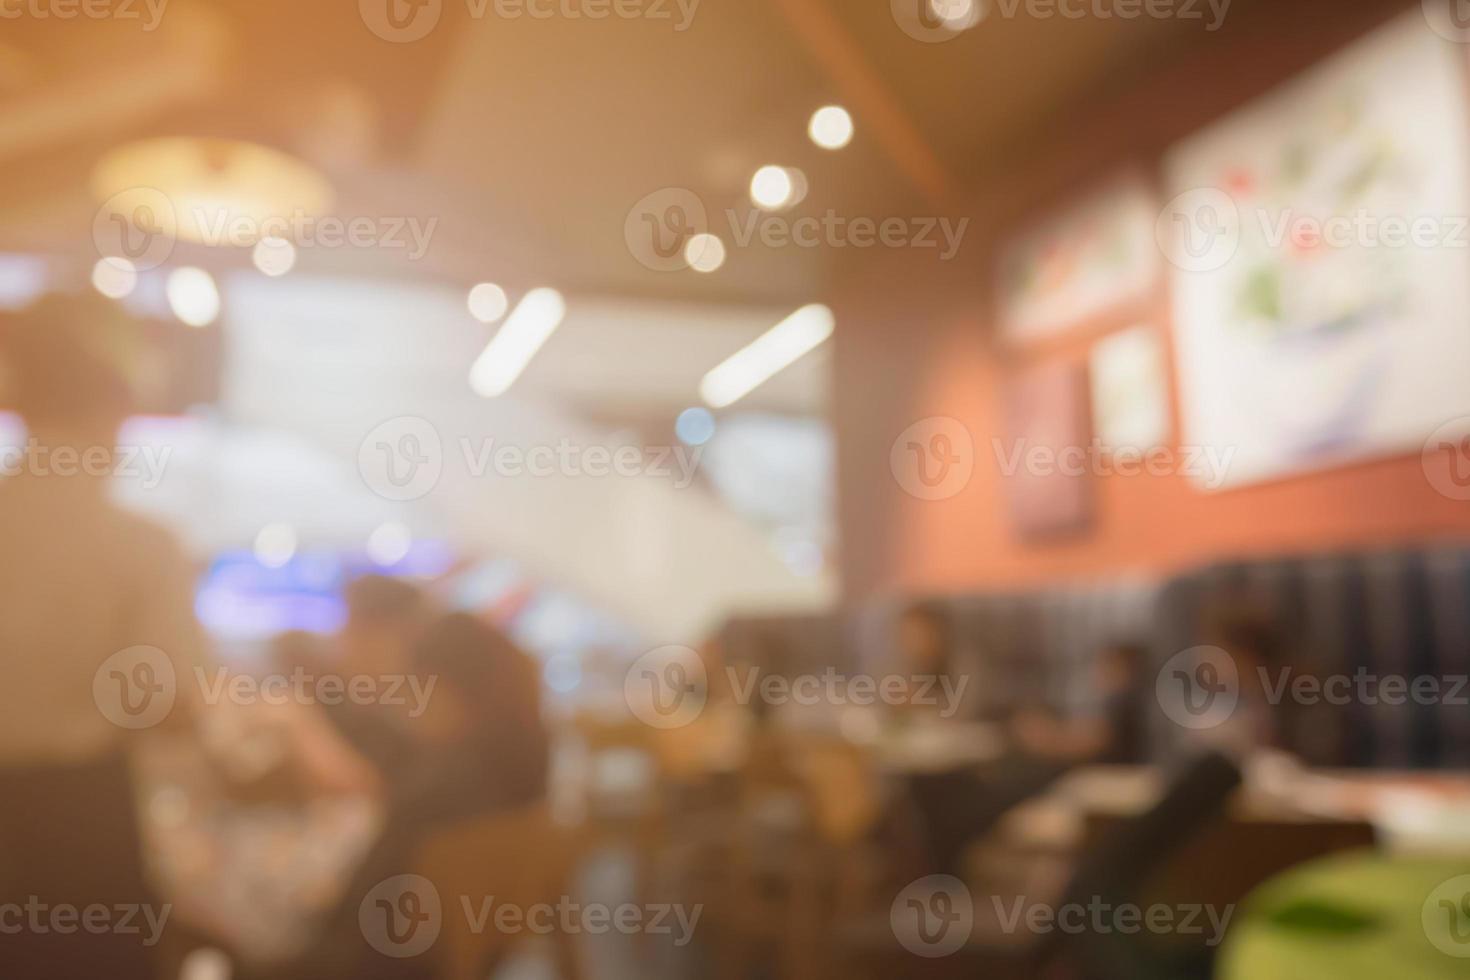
(1356,915)
(1260,295)
(1318,916)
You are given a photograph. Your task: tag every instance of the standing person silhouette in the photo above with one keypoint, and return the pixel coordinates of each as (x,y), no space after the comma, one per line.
(97,637)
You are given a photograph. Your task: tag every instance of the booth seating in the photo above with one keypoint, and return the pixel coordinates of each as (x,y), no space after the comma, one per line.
(1065,628)
(1388,613)
(1396,613)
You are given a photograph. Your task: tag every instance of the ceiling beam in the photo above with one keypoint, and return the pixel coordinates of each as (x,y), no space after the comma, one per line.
(835,50)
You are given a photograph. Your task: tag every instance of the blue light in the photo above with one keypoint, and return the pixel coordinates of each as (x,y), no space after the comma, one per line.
(695,426)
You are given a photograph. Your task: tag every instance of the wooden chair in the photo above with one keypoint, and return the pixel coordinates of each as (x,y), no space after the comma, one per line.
(797,857)
(623,812)
(1112,870)
(845,801)
(522,858)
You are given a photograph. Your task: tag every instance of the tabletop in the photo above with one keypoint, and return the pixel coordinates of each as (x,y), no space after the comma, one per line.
(1355,915)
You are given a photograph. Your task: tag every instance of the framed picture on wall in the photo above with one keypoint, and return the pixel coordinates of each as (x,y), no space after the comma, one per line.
(1130,391)
(1321,261)
(1096,256)
(1044,460)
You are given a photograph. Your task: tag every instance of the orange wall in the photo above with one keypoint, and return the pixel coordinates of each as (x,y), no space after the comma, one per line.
(913,341)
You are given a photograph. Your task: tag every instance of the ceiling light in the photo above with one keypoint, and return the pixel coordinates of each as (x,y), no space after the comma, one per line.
(220,192)
(751,366)
(831,127)
(799,186)
(695,426)
(389,544)
(487,302)
(193,296)
(274,256)
(957,15)
(275,545)
(532,321)
(704,252)
(772,187)
(114,277)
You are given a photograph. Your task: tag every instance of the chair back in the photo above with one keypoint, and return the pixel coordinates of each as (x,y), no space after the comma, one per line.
(621,772)
(520,858)
(1115,868)
(841,789)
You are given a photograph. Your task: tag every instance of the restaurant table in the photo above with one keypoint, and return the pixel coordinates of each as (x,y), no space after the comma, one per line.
(254,878)
(1288,817)
(937,747)
(1413,812)
(1355,915)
